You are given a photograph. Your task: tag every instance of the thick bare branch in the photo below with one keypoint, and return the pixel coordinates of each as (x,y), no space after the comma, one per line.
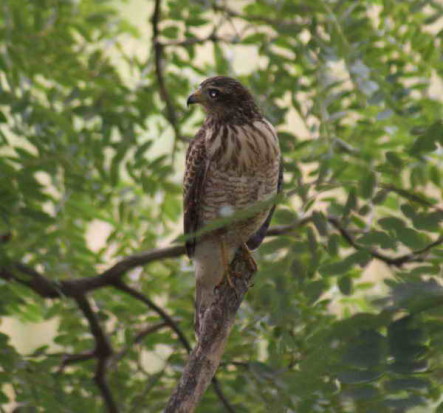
(70,288)
(216,326)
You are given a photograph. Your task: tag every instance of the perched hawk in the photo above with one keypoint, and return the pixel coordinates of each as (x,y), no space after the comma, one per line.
(232,163)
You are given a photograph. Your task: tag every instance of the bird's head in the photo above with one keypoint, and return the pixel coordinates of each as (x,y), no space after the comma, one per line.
(225,98)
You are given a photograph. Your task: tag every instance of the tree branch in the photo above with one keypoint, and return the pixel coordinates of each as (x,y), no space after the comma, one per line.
(413,256)
(102,352)
(205,358)
(410,196)
(215,328)
(139,337)
(162,313)
(68,359)
(56,289)
(171,115)
(71,288)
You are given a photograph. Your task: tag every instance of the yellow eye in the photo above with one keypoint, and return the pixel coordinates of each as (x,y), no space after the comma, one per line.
(213,93)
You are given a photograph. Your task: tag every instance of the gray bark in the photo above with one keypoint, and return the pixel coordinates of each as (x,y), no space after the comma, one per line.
(216,326)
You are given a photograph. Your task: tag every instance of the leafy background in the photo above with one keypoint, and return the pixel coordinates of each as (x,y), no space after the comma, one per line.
(346,310)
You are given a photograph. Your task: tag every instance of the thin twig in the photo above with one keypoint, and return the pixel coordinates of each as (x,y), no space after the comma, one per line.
(68,359)
(413,256)
(218,391)
(411,196)
(162,313)
(171,115)
(139,337)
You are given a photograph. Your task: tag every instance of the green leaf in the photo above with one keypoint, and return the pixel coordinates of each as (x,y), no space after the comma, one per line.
(377,238)
(391,223)
(320,222)
(429,222)
(359,376)
(411,238)
(367,185)
(221,62)
(427,142)
(170,32)
(345,285)
(351,202)
(412,383)
(394,159)
(335,268)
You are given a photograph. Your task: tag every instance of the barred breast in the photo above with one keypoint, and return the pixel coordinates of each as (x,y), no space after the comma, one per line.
(243,170)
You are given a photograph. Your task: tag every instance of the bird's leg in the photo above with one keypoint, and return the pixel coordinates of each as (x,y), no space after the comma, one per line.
(247,256)
(225,263)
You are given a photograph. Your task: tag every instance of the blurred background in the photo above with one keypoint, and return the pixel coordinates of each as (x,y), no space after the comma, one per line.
(346,310)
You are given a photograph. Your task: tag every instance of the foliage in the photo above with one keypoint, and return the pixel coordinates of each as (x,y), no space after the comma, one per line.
(85,137)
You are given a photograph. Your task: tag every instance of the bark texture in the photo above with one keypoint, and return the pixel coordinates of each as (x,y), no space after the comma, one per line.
(216,326)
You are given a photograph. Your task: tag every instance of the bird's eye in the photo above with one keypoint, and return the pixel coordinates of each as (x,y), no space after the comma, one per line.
(213,93)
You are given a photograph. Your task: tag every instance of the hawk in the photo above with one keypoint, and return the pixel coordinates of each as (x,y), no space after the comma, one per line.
(232,164)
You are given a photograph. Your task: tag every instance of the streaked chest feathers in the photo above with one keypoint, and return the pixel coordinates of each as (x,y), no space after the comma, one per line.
(242,148)
(244,162)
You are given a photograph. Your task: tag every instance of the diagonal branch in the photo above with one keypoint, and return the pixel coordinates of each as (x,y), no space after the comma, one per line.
(215,329)
(102,352)
(204,359)
(139,337)
(162,313)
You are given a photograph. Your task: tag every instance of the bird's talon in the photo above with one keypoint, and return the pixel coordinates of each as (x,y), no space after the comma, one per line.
(229,279)
(249,259)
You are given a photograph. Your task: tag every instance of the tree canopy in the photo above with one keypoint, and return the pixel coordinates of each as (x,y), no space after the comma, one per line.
(345,313)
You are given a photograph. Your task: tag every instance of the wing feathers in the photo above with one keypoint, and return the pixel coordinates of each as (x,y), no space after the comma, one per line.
(196,165)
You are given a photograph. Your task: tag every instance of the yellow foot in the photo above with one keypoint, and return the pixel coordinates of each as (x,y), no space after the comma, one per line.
(225,263)
(228,278)
(249,259)
(228,274)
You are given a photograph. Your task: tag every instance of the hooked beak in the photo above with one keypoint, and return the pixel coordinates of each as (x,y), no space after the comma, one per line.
(194,98)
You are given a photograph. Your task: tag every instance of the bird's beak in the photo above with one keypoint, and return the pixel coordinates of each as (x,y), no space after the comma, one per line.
(196,97)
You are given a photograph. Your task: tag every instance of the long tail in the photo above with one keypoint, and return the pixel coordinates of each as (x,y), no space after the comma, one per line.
(204,297)
(209,270)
